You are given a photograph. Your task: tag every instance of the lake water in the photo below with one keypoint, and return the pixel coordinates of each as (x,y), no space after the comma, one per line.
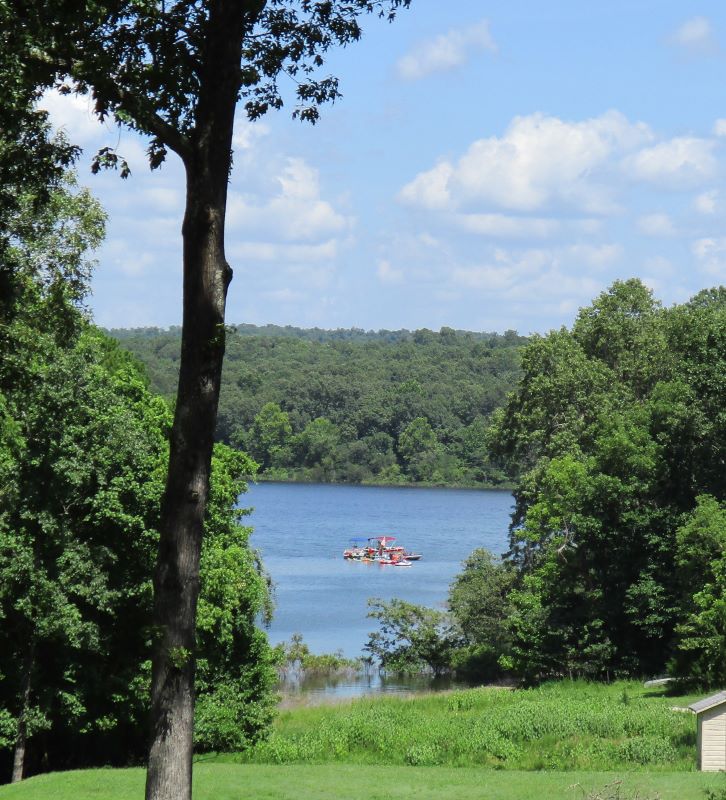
(302,530)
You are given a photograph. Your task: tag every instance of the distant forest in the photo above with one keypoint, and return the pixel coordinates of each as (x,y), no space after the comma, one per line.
(348,405)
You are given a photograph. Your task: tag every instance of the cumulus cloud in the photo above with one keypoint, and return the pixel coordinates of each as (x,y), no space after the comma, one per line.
(539,161)
(656,225)
(541,273)
(247,133)
(695,36)
(706,202)
(446,52)
(296,212)
(505,269)
(73,114)
(711,254)
(679,163)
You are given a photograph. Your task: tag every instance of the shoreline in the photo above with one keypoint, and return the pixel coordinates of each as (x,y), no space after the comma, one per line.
(509,488)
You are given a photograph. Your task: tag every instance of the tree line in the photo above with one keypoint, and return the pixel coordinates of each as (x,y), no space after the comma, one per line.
(616,563)
(354,406)
(84,447)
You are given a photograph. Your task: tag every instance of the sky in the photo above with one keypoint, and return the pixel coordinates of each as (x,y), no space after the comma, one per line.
(490,166)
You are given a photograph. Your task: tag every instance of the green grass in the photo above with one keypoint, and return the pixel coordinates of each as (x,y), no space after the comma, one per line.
(562,740)
(349,782)
(559,726)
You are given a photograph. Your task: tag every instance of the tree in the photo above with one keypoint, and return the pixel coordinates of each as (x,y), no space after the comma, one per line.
(700,653)
(419,449)
(269,435)
(617,426)
(479,600)
(410,638)
(175,72)
(316,445)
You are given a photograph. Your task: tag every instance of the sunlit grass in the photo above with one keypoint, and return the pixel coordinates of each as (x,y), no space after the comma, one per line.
(348,782)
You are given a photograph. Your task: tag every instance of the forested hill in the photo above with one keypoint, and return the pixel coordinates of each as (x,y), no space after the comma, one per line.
(352,405)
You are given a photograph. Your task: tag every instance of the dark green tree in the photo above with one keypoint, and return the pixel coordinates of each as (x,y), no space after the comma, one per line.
(700,652)
(615,428)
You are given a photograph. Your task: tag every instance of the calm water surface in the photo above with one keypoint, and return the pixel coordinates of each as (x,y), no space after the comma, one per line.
(302,530)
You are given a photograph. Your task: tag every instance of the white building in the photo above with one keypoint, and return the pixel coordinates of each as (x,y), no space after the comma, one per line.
(711,719)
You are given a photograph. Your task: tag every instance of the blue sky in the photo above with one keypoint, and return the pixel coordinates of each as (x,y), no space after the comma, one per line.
(490,166)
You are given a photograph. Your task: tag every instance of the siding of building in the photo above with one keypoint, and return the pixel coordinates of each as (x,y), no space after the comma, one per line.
(712,739)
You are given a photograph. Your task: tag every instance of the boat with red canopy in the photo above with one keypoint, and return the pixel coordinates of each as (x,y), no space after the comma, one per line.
(379,549)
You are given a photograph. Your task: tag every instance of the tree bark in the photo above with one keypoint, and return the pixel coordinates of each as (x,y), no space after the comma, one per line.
(206,278)
(22,737)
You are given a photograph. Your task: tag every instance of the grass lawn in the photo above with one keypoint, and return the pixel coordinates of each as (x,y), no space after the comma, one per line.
(219,781)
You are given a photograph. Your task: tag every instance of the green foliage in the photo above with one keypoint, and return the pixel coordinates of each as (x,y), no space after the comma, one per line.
(701,559)
(480,605)
(83,455)
(617,427)
(410,638)
(558,726)
(268,436)
(295,656)
(363,407)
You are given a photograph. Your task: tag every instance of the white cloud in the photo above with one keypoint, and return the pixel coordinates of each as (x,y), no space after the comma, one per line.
(706,202)
(247,133)
(505,226)
(446,52)
(388,274)
(295,213)
(562,275)
(285,295)
(656,225)
(678,163)
(719,127)
(430,189)
(505,270)
(281,253)
(711,253)
(594,255)
(540,161)
(696,36)
(73,114)
(164,199)
(130,263)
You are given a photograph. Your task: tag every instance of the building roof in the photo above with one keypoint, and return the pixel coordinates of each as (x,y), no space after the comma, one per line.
(708,702)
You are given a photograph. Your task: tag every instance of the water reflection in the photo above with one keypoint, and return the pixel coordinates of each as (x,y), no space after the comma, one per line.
(311,689)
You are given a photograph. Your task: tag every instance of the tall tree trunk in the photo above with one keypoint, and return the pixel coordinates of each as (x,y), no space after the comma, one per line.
(22,737)
(206,278)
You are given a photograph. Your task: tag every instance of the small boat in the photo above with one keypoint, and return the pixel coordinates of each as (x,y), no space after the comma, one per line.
(380,550)
(401,562)
(357,550)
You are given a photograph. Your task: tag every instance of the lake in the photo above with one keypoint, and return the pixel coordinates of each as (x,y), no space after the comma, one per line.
(302,529)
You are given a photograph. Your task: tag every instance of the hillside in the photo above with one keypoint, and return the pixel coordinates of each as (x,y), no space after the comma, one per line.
(352,405)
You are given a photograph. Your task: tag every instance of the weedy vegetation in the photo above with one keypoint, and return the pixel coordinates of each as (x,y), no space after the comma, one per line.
(558,726)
